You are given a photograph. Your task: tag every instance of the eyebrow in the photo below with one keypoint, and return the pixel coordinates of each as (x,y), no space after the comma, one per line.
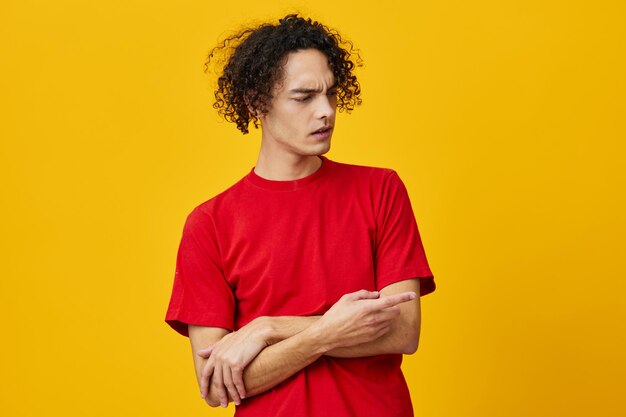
(309,90)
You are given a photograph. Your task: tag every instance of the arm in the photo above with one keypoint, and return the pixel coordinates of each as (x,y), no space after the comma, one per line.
(199,337)
(271,366)
(356,319)
(403,337)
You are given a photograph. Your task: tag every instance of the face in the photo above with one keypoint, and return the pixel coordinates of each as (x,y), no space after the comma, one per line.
(301,116)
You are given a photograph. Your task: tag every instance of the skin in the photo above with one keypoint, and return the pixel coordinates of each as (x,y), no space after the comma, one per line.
(231,366)
(359,324)
(302,103)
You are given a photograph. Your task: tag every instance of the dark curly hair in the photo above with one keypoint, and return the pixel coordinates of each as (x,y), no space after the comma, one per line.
(252,61)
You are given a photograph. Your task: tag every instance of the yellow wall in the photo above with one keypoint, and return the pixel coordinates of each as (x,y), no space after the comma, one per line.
(506,120)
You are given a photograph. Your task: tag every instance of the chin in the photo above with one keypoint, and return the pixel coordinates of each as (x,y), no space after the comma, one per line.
(320,152)
(322,149)
(313,149)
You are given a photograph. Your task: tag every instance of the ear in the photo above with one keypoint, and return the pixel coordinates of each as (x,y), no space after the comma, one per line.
(246,98)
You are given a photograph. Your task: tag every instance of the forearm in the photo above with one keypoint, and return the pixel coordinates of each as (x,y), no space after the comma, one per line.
(280,328)
(294,344)
(268,350)
(402,338)
(284,358)
(403,335)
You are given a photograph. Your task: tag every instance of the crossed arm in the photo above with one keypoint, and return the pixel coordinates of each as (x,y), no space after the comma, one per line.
(268,350)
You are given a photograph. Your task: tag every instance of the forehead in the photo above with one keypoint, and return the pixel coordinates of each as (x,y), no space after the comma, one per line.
(306,68)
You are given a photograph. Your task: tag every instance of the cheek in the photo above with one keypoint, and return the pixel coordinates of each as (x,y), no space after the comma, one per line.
(286,113)
(293,118)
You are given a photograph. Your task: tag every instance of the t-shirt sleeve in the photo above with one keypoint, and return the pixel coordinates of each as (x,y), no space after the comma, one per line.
(399,250)
(201,294)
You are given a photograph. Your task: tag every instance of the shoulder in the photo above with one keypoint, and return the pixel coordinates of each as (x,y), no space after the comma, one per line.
(376,177)
(355,169)
(217,204)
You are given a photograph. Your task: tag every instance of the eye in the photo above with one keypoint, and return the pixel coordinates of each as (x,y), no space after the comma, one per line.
(303,99)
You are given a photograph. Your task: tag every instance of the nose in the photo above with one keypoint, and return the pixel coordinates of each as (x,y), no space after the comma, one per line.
(326,106)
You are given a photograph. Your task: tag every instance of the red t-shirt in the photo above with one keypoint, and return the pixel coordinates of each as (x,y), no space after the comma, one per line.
(293,248)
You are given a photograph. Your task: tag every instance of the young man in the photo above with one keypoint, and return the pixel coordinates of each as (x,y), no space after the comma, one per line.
(299,285)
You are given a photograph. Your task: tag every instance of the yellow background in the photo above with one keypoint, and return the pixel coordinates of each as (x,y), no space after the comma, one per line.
(505,119)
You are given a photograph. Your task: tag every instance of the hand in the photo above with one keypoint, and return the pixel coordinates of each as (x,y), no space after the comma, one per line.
(361,317)
(227,360)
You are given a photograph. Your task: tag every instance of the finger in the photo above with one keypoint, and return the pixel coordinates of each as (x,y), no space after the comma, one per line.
(206,352)
(238,381)
(217,382)
(395,299)
(207,372)
(228,382)
(362,295)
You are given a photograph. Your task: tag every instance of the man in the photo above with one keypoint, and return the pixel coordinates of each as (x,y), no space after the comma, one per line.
(298,286)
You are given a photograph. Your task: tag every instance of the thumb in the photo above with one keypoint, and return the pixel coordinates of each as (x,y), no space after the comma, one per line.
(205,352)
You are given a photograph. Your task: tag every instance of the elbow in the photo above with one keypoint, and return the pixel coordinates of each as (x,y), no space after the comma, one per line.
(213,400)
(410,341)
(411,336)
(410,346)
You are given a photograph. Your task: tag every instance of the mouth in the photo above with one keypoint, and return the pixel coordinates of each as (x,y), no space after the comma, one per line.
(323,130)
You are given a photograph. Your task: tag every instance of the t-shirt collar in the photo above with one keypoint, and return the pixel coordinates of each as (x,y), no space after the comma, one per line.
(290,185)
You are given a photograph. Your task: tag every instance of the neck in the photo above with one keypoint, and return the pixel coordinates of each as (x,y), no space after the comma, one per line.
(286,167)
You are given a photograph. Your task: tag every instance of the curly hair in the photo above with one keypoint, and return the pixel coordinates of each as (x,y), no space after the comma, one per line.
(252,62)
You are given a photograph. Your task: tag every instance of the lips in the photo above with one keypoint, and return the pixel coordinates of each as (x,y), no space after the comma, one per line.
(323,134)
(323,129)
